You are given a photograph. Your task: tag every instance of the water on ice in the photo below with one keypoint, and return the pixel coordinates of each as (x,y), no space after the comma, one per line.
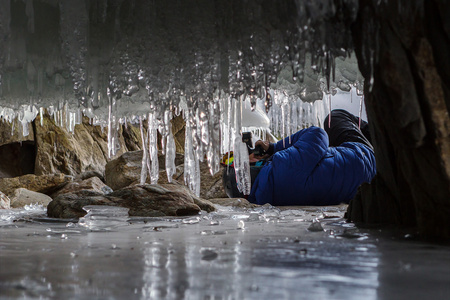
(232,253)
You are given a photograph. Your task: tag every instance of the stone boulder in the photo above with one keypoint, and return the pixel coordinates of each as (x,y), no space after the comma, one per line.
(89,174)
(22,197)
(5,202)
(155,200)
(43,184)
(141,200)
(70,205)
(205,205)
(211,185)
(93,184)
(234,202)
(126,169)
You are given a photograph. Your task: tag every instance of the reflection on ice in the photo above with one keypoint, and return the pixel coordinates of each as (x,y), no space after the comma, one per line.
(208,256)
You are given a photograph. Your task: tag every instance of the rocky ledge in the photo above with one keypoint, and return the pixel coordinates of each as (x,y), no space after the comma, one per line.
(142,200)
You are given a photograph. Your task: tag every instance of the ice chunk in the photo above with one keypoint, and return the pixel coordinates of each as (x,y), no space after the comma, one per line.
(103,218)
(315,226)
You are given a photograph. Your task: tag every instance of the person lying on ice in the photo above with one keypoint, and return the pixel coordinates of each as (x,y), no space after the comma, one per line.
(313,166)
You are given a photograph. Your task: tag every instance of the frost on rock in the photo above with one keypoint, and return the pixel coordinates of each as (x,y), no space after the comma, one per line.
(126,60)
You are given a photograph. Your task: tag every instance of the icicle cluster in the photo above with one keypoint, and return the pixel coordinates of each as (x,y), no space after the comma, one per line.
(147,60)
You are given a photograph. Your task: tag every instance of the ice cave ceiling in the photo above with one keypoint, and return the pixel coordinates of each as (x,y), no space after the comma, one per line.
(144,60)
(146,54)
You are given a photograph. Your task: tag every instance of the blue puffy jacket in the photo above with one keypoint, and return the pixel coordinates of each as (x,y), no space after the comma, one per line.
(305,171)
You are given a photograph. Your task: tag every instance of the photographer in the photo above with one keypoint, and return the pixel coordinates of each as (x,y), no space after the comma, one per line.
(312,166)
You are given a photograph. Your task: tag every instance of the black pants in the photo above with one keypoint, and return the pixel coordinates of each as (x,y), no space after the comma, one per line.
(344,127)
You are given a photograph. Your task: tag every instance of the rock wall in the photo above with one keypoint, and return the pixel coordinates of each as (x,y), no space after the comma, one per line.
(86,149)
(55,150)
(51,149)
(403,48)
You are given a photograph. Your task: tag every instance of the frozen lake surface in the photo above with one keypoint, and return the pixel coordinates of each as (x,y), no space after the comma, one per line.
(234,253)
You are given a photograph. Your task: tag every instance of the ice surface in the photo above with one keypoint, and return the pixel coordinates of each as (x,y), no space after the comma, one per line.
(125,60)
(209,256)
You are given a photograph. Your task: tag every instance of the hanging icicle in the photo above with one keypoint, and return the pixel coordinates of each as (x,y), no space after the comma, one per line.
(241,159)
(153,148)
(191,163)
(169,147)
(145,157)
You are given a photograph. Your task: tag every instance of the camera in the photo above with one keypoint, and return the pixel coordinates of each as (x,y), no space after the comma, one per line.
(247,139)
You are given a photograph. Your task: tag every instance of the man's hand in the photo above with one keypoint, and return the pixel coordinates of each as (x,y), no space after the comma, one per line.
(263,144)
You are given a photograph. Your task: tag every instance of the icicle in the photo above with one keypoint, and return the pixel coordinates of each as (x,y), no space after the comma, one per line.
(204,129)
(240,153)
(78,117)
(70,123)
(41,116)
(113,141)
(191,165)
(214,134)
(153,148)
(360,110)
(371,80)
(144,154)
(25,131)
(283,122)
(170,157)
(289,123)
(224,125)
(170,147)
(230,123)
(329,110)
(13,125)
(55,117)
(110,129)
